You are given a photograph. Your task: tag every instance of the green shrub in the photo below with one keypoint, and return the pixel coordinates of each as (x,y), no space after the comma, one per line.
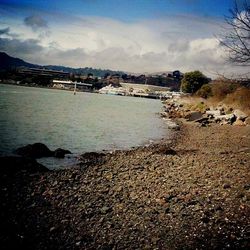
(192,81)
(205,91)
(200,106)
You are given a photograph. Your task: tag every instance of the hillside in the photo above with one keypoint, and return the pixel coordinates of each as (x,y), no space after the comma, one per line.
(7,63)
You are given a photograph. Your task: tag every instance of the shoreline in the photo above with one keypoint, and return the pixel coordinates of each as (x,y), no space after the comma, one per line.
(43,87)
(192,193)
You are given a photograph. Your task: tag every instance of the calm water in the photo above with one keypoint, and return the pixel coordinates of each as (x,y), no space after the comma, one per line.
(81,123)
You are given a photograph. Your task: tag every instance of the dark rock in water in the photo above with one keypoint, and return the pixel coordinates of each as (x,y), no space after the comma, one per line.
(92,158)
(14,164)
(36,150)
(60,153)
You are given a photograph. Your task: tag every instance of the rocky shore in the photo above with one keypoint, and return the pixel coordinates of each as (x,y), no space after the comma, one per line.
(190,193)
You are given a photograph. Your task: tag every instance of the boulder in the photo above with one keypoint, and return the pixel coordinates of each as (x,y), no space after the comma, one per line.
(60,153)
(247,121)
(240,114)
(203,120)
(36,150)
(14,164)
(173,126)
(164,114)
(213,112)
(230,118)
(194,115)
(239,122)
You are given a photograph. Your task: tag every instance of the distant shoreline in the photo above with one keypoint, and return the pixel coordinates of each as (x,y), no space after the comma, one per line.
(43,87)
(77,91)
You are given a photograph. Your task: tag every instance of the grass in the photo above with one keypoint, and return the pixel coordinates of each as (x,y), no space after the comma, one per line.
(229,94)
(240,98)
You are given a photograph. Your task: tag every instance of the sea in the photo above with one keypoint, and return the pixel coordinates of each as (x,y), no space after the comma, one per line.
(84,122)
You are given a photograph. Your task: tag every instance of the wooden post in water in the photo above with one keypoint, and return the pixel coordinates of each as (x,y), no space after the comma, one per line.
(75,89)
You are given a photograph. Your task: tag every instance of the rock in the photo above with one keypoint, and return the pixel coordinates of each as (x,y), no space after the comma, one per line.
(60,153)
(170,196)
(105,210)
(164,114)
(174,126)
(194,115)
(52,229)
(230,118)
(247,121)
(240,115)
(14,164)
(165,150)
(36,150)
(239,122)
(92,158)
(205,219)
(218,208)
(204,124)
(170,152)
(213,112)
(167,210)
(226,185)
(202,120)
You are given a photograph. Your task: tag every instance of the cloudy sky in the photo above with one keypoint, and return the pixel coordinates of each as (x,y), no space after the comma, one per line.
(131,35)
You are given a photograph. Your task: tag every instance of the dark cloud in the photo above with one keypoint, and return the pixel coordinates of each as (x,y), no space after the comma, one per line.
(5,31)
(20,48)
(31,51)
(8,33)
(36,22)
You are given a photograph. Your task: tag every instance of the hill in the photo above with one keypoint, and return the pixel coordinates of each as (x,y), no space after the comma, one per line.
(7,63)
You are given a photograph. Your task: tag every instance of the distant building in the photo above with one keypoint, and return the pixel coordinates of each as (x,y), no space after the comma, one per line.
(63,84)
(43,72)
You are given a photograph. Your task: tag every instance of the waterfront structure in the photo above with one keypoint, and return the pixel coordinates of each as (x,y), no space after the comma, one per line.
(67,84)
(112,90)
(43,72)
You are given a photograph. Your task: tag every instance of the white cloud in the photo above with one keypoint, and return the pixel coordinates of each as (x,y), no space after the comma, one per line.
(177,42)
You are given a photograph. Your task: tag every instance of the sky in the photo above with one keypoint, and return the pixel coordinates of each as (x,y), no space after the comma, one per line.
(136,36)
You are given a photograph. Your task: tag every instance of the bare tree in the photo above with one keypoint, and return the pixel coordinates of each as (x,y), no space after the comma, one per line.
(237,36)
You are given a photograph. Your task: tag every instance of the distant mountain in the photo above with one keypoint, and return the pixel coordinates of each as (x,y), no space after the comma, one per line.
(7,62)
